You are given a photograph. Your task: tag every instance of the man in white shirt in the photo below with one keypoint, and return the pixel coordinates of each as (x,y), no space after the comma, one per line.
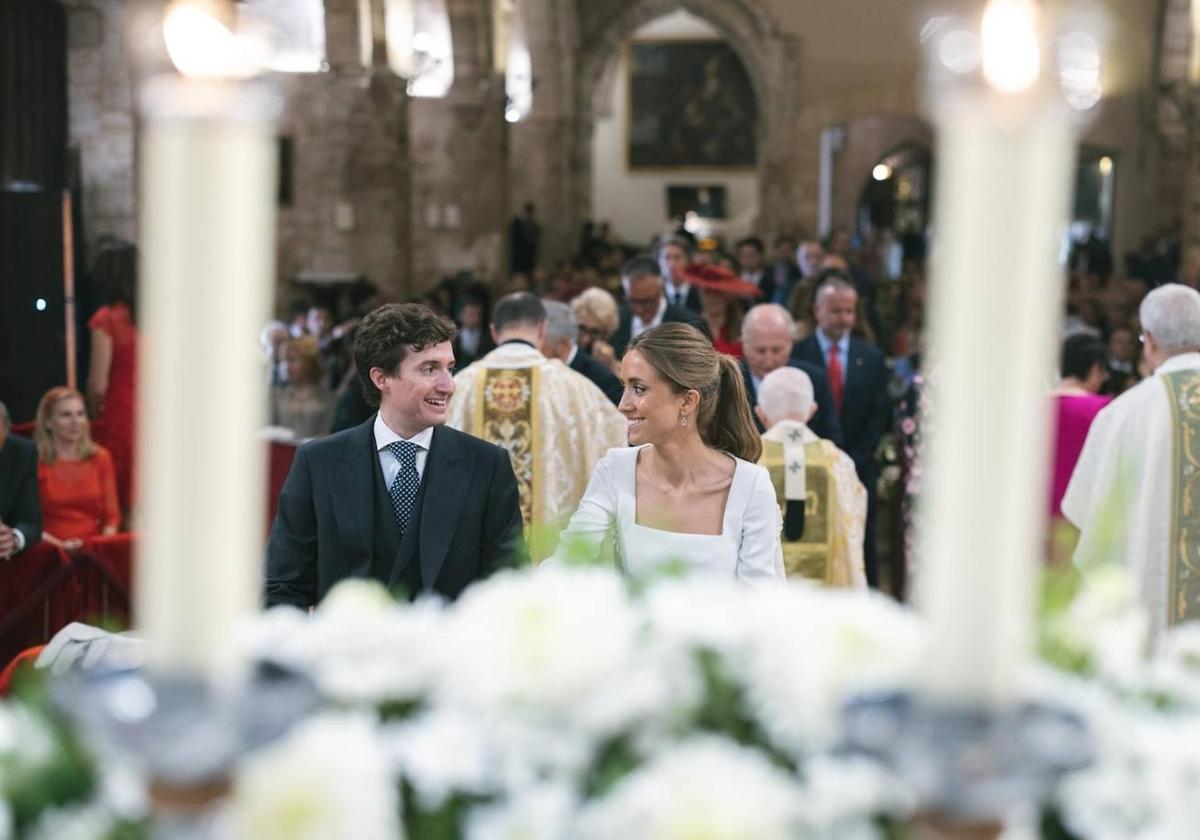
(646,305)
(400,498)
(1133,494)
(674,257)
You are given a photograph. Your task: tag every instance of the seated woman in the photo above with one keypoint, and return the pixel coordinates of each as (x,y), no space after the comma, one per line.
(305,404)
(688,491)
(76,478)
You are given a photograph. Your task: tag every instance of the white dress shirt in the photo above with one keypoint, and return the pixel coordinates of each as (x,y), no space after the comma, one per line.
(389,462)
(637,326)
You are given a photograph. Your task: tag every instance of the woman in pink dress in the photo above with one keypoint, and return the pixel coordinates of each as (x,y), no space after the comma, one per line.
(1084,370)
(112,375)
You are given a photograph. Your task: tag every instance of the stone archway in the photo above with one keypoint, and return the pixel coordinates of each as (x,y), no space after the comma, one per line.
(771,59)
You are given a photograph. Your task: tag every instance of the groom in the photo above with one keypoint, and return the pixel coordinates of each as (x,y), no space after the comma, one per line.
(401,498)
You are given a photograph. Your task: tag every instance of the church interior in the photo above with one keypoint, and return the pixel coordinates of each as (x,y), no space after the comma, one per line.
(205,205)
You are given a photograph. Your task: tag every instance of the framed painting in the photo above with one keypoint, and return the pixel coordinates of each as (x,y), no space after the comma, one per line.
(691,105)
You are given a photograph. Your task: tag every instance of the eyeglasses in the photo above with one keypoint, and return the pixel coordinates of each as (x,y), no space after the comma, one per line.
(594,332)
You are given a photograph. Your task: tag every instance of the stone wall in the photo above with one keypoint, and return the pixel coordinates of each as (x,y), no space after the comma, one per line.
(101,116)
(350,208)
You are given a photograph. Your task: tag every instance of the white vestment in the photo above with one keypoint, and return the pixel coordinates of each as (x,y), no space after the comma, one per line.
(1121,494)
(554,422)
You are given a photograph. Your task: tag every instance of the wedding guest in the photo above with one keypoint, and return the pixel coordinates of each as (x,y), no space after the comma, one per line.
(722,301)
(597,315)
(305,404)
(20,506)
(76,477)
(400,498)
(562,333)
(1077,401)
(674,256)
(112,370)
(474,339)
(1122,361)
(688,489)
(858,378)
(646,304)
(824,505)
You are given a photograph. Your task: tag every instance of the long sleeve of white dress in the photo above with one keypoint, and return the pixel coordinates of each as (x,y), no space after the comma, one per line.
(590,534)
(760,554)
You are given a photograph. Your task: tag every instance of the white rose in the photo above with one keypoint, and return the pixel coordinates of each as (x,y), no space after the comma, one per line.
(539,812)
(442,753)
(330,779)
(812,650)
(705,789)
(538,644)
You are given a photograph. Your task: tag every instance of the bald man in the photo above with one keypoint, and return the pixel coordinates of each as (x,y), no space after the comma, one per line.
(768,334)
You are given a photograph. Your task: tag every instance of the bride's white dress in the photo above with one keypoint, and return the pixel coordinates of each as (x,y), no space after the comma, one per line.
(606,523)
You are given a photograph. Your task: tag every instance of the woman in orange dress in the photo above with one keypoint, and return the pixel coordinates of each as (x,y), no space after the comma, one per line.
(76,478)
(112,374)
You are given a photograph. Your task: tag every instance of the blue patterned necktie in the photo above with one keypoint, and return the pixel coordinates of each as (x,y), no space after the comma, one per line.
(407,482)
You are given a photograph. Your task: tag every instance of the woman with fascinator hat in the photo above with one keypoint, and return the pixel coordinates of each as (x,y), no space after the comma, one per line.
(723,301)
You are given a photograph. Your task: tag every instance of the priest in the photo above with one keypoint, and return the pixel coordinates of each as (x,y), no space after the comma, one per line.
(824,504)
(1135,492)
(554,422)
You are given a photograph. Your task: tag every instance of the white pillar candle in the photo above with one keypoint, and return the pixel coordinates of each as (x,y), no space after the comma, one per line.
(208,175)
(1005,155)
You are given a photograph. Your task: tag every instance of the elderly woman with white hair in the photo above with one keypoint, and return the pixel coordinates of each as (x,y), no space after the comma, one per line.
(823,503)
(597,317)
(1133,493)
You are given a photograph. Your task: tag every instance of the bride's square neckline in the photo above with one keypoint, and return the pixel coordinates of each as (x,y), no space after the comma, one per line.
(724,509)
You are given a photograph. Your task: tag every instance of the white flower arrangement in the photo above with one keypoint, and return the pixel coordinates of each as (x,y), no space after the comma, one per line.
(559,705)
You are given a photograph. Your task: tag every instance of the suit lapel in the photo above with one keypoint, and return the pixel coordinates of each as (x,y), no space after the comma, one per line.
(447,475)
(352,489)
(854,369)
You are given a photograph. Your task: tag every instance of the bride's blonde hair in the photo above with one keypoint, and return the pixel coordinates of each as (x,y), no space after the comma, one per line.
(687,361)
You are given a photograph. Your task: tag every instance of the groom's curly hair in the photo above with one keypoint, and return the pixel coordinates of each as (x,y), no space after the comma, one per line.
(391,332)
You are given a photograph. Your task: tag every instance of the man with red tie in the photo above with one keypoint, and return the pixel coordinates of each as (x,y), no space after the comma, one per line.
(858,380)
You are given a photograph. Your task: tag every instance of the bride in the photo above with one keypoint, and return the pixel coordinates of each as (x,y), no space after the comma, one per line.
(688,491)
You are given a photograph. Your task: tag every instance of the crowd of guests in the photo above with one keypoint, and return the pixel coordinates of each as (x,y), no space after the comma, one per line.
(554,367)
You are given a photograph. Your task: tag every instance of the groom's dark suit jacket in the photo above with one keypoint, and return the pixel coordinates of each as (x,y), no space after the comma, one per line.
(20,505)
(335,519)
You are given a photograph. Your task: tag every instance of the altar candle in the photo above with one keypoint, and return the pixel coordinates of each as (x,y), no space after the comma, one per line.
(208,176)
(1006,151)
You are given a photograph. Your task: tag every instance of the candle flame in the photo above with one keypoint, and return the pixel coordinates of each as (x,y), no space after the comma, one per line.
(201,45)
(1011,57)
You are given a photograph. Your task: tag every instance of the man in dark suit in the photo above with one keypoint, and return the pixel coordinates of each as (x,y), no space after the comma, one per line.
(674,257)
(858,378)
(20,505)
(751,257)
(561,330)
(646,304)
(767,338)
(400,498)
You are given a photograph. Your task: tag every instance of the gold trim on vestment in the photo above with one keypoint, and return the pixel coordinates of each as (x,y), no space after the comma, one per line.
(1183,602)
(507,413)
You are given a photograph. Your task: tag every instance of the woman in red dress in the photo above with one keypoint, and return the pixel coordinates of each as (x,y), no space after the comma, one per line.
(112,375)
(76,479)
(722,303)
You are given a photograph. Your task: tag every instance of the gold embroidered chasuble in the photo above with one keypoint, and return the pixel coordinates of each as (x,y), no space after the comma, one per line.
(1183,598)
(831,548)
(554,422)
